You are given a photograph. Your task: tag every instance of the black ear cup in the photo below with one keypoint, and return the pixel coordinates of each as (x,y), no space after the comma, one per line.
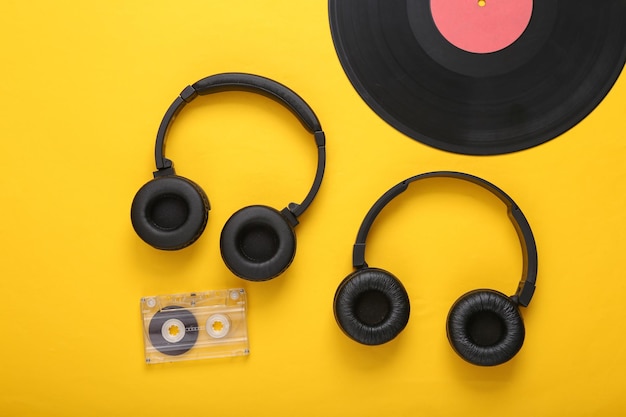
(485,327)
(257,243)
(170,212)
(371,306)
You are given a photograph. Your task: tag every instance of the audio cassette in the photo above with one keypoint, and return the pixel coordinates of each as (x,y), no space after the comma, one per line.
(198,325)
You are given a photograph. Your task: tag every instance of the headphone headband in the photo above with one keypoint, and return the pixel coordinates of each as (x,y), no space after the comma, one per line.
(255,84)
(526,286)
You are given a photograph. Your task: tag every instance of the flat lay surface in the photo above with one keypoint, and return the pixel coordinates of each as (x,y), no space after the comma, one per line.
(84,87)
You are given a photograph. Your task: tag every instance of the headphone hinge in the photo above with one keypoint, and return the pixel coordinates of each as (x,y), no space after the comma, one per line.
(291,218)
(165,171)
(358,256)
(524,293)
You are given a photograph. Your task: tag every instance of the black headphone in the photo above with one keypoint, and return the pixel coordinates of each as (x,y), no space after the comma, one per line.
(484,326)
(170,212)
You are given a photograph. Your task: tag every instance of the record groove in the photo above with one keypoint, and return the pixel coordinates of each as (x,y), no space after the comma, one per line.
(544,83)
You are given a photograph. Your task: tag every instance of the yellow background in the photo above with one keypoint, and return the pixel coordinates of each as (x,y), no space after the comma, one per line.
(83,87)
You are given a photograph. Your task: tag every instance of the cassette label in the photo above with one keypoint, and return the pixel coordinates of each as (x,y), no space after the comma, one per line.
(199,325)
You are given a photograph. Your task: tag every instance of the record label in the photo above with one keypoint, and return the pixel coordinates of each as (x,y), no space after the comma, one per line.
(481,26)
(484,78)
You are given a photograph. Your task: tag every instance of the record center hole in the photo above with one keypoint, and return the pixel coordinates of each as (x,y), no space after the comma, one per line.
(482,3)
(173,330)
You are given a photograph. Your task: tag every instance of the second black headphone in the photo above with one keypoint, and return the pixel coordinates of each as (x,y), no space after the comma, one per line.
(170,212)
(484,326)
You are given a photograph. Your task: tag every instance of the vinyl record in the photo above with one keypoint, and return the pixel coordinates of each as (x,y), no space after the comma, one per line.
(481,77)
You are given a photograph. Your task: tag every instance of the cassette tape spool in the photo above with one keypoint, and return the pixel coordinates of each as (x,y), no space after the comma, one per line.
(199,325)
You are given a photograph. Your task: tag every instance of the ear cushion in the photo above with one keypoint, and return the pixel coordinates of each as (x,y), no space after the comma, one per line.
(371,306)
(170,212)
(485,327)
(257,243)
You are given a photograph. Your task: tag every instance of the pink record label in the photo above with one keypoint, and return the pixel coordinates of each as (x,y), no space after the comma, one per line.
(481,26)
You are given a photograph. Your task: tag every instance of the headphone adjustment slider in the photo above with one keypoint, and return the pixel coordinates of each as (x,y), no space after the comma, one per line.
(188,94)
(168,169)
(320,138)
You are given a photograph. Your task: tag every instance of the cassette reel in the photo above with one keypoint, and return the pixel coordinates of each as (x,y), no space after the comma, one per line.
(199,325)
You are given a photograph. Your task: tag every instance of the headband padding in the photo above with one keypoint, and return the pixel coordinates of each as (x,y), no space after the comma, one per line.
(261,85)
(485,327)
(371,306)
(170,212)
(257,243)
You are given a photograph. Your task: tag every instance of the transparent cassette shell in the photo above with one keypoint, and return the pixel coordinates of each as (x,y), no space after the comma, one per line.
(199,325)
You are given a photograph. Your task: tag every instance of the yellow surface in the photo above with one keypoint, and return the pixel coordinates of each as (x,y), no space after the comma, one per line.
(84,86)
